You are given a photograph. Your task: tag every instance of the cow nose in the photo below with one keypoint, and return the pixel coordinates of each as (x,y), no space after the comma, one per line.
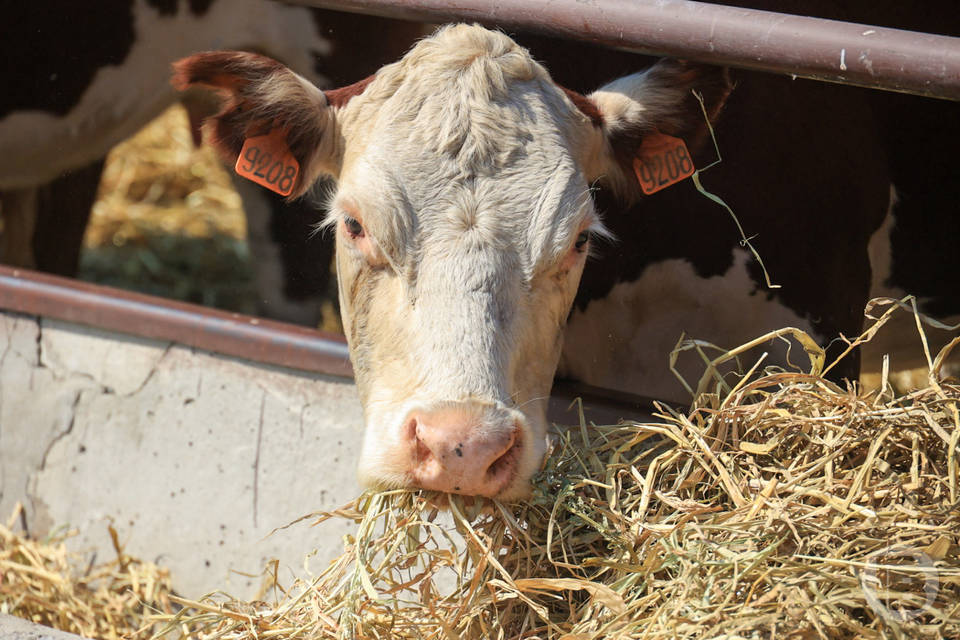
(464,449)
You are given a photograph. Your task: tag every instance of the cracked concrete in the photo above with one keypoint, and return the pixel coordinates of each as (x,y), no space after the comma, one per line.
(256,460)
(195,458)
(35,408)
(12,628)
(121,367)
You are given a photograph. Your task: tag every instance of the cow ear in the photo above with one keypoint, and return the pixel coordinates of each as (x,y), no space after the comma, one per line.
(260,95)
(658,99)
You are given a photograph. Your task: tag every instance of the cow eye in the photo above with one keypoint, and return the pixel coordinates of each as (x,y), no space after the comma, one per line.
(582,240)
(354,228)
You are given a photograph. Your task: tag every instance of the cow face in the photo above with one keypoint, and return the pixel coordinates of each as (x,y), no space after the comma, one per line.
(463,220)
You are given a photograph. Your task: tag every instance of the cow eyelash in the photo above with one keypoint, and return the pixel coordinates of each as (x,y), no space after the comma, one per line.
(582,240)
(353,227)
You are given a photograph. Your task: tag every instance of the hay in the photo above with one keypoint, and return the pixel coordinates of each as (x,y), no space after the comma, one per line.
(42,582)
(159,181)
(168,221)
(778,506)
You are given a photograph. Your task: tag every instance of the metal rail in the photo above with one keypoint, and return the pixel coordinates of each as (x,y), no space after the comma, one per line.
(238,335)
(231,334)
(828,50)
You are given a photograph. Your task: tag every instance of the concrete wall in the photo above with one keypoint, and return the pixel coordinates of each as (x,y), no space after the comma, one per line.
(192,456)
(12,628)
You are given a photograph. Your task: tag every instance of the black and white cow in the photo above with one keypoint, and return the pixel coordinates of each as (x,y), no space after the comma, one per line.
(850,192)
(82,76)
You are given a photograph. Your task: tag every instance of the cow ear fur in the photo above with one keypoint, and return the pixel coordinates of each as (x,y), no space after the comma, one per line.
(260,94)
(658,99)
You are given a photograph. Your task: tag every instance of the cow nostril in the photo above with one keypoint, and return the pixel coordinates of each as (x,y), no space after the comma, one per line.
(421,452)
(505,462)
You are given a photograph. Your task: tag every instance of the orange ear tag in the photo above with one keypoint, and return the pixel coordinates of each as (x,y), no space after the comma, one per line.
(267,161)
(662,161)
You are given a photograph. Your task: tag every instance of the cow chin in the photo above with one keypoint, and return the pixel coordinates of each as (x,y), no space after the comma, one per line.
(468,447)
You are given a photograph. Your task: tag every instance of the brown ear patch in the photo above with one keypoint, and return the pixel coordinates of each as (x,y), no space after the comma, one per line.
(585,106)
(227,70)
(234,75)
(713,85)
(259,95)
(683,118)
(339,97)
(686,118)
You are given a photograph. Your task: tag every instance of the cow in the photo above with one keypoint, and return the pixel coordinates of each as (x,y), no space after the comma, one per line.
(863,204)
(463,220)
(87,75)
(472,189)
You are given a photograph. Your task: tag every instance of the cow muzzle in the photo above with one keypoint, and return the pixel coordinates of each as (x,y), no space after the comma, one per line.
(468,447)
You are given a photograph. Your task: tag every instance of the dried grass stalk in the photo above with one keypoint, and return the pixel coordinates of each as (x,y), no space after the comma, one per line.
(42,582)
(168,221)
(159,181)
(778,506)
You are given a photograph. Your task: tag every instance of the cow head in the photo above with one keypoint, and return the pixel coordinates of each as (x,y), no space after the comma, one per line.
(463,219)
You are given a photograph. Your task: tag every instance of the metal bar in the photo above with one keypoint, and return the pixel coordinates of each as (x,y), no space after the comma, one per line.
(238,335)
(828,50)
(232,334)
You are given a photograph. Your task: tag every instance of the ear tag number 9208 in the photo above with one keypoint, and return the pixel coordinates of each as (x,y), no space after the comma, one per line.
(267,161)
(662,161)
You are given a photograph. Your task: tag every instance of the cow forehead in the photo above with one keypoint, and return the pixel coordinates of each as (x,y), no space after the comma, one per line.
(474,107)
(466,134)
(413,211)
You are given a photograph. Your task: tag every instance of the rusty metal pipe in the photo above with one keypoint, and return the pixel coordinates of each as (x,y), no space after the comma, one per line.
(828,50)
(231,334)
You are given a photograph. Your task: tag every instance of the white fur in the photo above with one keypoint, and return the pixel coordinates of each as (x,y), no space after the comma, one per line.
(899,338)
(623,341)
(459,161)
(880,251)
